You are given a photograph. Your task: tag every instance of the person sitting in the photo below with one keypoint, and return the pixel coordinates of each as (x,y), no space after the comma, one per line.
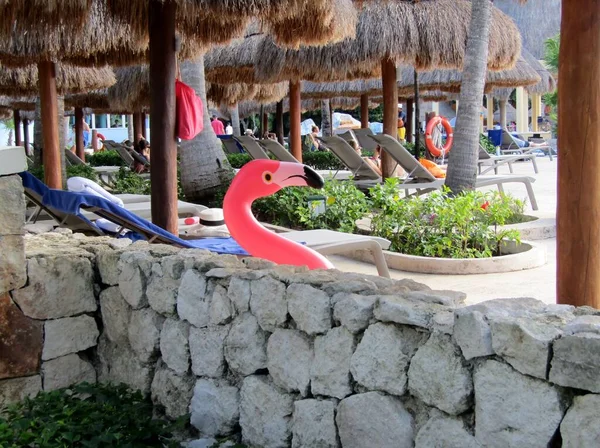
(310,142)
(143,149)
(525,144)
(374,161)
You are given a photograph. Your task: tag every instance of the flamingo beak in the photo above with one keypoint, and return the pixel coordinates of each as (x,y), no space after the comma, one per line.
(294,174)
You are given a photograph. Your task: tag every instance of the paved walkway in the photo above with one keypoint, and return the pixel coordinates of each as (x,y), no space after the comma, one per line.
(539,283)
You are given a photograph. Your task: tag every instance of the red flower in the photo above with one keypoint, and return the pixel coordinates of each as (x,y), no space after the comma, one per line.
(485,205)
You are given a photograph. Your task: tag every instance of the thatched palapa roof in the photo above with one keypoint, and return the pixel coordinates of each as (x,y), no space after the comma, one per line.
(231,94)
(69,79)
(547,82)
(426,34)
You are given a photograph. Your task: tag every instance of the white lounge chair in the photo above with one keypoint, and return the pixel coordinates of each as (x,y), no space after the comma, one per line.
(422,181)
(510,145)
(359,168)
(492,162)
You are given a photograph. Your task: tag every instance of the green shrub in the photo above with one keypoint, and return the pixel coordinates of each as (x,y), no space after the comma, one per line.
(487,144)
(105,158)
(465,226)
(290,207)
(411,147)
(322,160)
(129,182)
(238,160)
(86,416)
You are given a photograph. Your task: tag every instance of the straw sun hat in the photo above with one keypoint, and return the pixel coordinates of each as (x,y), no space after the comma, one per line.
(211,223)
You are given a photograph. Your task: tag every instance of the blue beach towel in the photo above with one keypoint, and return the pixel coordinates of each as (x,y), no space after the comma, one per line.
(69,202)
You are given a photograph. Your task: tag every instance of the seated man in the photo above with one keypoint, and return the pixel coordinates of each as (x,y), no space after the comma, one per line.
(524,144)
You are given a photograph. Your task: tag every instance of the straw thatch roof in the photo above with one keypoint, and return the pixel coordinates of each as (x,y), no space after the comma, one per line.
(94,99)
(18,102)
(231,94)
(69,79)
(100,35)
(426,34)
(537,21)
(328,22)
(547,82)
(132,89)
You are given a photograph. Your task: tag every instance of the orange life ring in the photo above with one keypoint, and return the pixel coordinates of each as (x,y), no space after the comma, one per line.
(100,136)
(434,150)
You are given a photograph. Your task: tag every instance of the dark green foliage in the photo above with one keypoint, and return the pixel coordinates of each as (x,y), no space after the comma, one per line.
(438,225)
(238,160)
(86,416)
(322,160)
(290,207)
(105,158)
(411,147)
(129,182)
(487,144)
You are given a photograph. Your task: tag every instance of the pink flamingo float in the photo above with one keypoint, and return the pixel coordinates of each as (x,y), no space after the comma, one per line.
(257,179)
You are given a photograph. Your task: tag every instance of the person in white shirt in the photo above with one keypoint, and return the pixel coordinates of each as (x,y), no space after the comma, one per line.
(229,129)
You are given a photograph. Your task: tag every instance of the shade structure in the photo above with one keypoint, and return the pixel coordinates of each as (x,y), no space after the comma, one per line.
(96,100)
(427,34)
(132,89)
(232,94)
(69,79)
(547,82)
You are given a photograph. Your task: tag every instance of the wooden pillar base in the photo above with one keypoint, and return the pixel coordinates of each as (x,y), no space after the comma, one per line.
(390,112)
(364,111)
(79,147)
(295,118)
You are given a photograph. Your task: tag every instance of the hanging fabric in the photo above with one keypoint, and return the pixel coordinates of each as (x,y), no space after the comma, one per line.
(189,110)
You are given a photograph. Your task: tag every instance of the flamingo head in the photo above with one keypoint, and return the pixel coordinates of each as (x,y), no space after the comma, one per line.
(261,178)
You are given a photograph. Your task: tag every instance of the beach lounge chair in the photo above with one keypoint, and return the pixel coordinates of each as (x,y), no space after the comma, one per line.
(258,150)
(422,181)
(492,162)
(275,148)
(326,242)
(252,147)
(366,143)
(34,191)
(510,145)
(229,144)
(359,168)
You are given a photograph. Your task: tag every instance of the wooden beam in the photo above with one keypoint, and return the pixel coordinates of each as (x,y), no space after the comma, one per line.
(364,111)
(417,117)
(578,211)
(390,112)
(409,120)
(26,135)
(265,124)
(295,118)
(49,107)
(279,122)
(144,130)
(17,123)
(163,174)
(137,127)
(79,147)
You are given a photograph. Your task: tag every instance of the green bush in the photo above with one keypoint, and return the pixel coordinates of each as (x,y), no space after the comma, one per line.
(238,160)
(465,226)
(487,144)
(129,182)
(105,158)
(322,160)
(411,147)
(86,416)
(290,207)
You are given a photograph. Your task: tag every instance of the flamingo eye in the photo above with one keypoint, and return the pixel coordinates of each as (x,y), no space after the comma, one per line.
(267,177)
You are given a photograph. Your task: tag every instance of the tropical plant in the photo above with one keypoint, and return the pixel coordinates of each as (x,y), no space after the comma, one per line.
(487,144)
(86,415)
(204,167)
(462,166)
(238,160)
(552,47)
(440,225)
(105,158)
(72,171)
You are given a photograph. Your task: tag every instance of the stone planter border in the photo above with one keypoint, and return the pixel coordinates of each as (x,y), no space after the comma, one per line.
(527,255)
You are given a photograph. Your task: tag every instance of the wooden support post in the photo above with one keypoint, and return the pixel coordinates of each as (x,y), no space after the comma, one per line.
(295,117)
(265,124)
(49,107)
(26,135)
(490,112)
(144,130)
(163,175)
(503,114)
(364,111)
(137,127)
(409,125)
(95,147)
(417,118)
(578,211)
(279,122)
(79,147)
(17,123)
(390,112)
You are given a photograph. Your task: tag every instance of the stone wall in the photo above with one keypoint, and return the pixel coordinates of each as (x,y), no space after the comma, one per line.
(287,357)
